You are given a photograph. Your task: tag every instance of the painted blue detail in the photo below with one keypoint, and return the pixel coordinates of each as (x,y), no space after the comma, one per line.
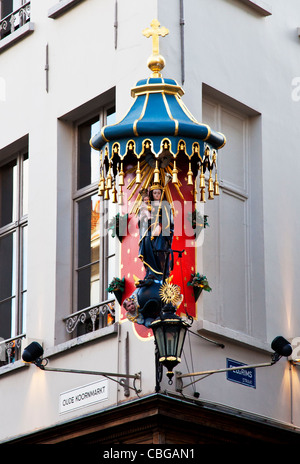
(157,114)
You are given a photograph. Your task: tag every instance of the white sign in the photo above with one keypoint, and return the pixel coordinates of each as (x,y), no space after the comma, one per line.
(83,396)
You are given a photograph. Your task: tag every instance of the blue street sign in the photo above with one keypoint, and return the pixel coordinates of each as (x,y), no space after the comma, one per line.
(244,377)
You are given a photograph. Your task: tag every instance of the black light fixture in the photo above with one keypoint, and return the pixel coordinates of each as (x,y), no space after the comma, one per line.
(281,347)
(169,332)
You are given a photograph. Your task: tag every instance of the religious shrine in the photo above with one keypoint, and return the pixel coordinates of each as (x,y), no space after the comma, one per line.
(157,163)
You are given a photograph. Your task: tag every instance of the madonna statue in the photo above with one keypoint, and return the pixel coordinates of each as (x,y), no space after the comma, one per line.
(156,233)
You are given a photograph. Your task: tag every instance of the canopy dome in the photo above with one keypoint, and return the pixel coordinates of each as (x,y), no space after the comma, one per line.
(157,132)
(157,113)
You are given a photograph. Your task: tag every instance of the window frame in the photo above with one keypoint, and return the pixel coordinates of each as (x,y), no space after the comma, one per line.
(254,330)
(80,194)
(17,226)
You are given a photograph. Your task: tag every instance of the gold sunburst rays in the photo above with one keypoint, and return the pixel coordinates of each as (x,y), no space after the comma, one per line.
(170,293)
(147,174)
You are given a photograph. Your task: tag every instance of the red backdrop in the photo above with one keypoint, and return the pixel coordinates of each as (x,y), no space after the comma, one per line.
(183,240)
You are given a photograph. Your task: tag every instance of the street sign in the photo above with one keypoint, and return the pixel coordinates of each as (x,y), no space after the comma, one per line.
(246,376)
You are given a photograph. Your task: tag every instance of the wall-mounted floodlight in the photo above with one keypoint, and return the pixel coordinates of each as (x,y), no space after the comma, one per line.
(33,354)
(280,346)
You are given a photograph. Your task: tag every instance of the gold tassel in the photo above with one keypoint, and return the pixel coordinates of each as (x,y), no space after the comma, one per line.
(190,175)
(121,194)
(114,192)
(216,186)
(195,192)
(108,185)
(106,194)
(174,174)
(121,176)
(210,187)
(202,178)
(138,174)
(202,196)
(156,173)
(101,185)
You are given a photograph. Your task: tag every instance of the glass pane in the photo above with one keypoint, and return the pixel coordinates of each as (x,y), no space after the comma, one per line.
(110,219)
(24,260)
(111,273)
(88,158)
(111,116)
(7,266)
(160,341)
(8,196)
(24,311)
(171,340)
(88,287)
(7,316)
(25,186)
(181,338)
(6,7)
(88,230)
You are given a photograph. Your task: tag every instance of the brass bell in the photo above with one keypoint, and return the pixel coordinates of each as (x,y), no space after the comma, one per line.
(156,174)
(190,175)
(210,195)
(174,174)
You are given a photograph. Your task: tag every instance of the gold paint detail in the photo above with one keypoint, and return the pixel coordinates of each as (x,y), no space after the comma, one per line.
(170,114)
(170,293)
(157,88)
(141,116)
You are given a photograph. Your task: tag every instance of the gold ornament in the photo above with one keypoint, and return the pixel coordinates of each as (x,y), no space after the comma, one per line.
(170,293)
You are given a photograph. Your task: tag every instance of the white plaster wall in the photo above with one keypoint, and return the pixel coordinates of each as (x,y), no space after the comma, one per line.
(229,47)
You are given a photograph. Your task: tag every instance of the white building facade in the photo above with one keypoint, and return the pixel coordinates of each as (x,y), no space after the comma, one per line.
(66,70)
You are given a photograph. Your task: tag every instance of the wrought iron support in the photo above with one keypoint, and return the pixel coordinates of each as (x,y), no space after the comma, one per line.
(42,364)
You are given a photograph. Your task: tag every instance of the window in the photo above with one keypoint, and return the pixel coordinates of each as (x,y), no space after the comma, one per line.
(13,15)
(94,247)
(233,245)
(13,245)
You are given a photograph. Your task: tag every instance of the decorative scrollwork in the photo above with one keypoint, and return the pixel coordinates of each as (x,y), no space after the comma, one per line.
(72,322)
(91,314)
(16,19)
(9,349)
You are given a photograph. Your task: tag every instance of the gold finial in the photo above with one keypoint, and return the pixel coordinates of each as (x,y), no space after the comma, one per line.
(156,62)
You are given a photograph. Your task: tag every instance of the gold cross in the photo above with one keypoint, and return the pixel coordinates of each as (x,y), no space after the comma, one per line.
(155,31)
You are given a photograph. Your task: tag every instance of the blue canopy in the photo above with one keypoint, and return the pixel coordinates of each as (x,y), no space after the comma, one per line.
(157,114)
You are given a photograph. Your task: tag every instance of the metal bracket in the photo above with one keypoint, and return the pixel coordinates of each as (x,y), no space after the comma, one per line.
(42,364)
(179,376)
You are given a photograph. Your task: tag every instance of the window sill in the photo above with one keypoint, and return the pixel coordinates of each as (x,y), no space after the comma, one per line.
(62,7)
(16,36)
(12,367)
(211,329)
(260,6)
